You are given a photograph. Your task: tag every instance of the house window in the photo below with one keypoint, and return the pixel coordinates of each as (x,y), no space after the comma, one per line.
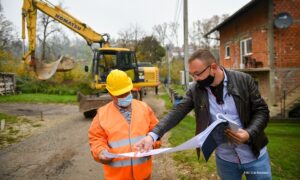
(227,52)
(245,48)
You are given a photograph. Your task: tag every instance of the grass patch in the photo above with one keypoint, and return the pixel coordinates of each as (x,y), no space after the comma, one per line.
(9,119)
(187,160)
(179,89)
(39,98)
(167,100)
(284,146)
(13,129)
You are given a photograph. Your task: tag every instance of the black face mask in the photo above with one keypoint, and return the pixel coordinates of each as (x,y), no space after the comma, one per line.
(206,82)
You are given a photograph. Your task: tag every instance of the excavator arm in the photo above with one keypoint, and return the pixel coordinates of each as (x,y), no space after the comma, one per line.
(29,16)
(105,58)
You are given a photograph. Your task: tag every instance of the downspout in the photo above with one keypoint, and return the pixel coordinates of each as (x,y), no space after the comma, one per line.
(271,98)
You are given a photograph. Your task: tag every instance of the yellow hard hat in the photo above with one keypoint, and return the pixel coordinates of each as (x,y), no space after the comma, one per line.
(118,83)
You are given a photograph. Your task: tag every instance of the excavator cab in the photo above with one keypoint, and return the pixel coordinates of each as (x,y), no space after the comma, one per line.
(107,59)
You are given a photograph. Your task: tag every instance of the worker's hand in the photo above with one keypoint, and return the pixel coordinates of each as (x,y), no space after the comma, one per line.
(239,137)
(103,159)
(144,145)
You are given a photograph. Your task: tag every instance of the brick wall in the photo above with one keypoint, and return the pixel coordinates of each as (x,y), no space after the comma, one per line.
(253,23)
(287,48)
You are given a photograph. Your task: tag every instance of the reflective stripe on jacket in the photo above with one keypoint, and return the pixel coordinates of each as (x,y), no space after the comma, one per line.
(110,130)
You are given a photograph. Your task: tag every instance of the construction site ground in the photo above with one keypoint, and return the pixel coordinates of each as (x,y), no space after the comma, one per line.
(56,146)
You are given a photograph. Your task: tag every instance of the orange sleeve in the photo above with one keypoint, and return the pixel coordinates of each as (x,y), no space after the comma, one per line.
(153,122)
(97,138)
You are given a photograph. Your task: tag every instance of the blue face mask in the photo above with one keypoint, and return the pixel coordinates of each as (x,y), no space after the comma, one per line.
(126,101)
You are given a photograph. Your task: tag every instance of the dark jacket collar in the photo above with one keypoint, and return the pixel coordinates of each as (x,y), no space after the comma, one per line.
(231,84)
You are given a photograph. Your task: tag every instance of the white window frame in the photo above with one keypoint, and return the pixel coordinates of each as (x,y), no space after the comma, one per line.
(245,49)
(227,56)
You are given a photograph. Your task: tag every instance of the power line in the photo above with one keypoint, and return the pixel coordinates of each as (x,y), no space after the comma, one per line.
(178,11)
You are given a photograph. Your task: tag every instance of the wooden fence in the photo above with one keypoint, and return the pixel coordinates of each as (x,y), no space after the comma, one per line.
(7,83)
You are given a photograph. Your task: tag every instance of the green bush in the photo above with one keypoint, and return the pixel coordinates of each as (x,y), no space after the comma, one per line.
(28,85)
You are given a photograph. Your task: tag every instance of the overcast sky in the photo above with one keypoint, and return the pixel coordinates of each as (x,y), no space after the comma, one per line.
(112,16)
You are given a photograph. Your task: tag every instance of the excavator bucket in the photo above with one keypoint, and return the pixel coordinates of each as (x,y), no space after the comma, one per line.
(66,64)
(46,70)
(88,104)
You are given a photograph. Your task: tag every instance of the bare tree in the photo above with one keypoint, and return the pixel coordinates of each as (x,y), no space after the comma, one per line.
(1,8)
(124,39)
(173,27)
(201,27)
(6,31)
(138,33)
(49,27)
(57,45)
(130,36)
(174,37)
(160,31)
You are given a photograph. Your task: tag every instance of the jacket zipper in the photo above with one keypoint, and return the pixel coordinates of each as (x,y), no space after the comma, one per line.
(131,163)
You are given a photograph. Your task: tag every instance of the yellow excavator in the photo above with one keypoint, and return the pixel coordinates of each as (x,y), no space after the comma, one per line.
(105,58)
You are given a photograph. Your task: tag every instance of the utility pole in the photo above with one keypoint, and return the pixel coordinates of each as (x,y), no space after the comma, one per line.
(186,43)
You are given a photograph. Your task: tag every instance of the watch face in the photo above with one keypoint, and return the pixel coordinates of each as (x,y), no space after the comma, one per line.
(283,20)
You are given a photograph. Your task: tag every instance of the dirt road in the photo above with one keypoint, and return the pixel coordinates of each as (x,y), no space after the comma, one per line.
(59,148)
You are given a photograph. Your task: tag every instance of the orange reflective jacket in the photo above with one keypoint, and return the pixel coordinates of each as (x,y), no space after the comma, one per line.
(110,130)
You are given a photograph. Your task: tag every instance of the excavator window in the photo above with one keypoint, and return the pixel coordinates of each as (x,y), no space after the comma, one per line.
(124,61)
(109,60)
(105,63)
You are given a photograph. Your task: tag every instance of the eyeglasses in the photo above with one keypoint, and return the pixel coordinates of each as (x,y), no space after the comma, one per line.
(199,73)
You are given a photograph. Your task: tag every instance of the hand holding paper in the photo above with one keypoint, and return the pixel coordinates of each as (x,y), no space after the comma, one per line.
(103,158)
(232,125)
(144,145)
(239,137)
(207,140)
(236,134)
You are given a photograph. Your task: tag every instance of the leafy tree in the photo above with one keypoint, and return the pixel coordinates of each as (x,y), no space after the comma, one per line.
(150,50)
(176,65)
(10,46)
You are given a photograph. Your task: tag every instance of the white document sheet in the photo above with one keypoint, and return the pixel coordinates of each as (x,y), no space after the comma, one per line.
(195,142)
(232,125)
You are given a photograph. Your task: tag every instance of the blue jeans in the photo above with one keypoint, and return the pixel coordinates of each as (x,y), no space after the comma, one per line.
(259,169)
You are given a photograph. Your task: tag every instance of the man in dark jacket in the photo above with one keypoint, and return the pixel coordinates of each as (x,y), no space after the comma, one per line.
(236,96)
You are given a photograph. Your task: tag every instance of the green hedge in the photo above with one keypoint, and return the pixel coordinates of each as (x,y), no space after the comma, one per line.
(26,85)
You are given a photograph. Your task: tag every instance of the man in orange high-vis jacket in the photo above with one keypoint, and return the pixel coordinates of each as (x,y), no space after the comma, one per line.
(118,126)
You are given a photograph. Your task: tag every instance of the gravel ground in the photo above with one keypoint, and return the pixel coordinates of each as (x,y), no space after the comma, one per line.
(58,149)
